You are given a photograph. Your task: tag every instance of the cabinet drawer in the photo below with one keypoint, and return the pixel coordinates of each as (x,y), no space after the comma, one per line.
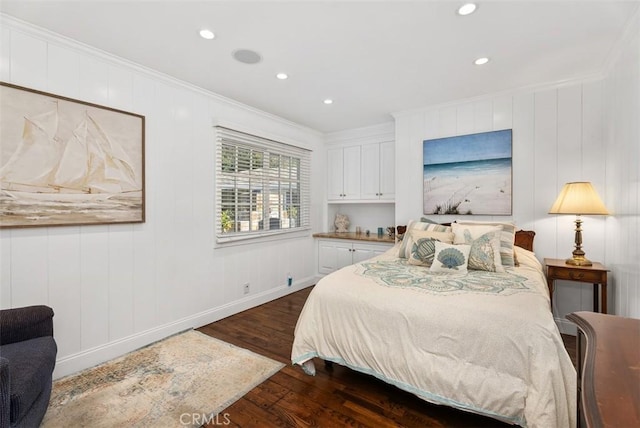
(577,275)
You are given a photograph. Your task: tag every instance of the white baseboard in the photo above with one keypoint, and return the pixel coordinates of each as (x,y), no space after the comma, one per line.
(91,357)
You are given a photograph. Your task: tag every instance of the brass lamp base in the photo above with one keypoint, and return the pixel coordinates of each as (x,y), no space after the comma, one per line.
(578,261)
(578,258)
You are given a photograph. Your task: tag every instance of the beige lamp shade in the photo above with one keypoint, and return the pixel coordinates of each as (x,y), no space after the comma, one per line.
(579,198)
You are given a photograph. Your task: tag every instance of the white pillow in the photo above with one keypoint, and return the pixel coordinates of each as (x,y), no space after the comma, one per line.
(465,233)
(485,245)
(450,258)
(485,253)
(507,239)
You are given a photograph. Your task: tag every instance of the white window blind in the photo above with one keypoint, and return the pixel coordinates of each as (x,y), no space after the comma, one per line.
(262,186)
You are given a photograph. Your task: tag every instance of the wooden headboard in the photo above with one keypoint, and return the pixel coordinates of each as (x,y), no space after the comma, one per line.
(524,238)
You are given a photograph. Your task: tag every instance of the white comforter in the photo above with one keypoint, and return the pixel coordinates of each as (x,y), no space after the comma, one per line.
(491,350)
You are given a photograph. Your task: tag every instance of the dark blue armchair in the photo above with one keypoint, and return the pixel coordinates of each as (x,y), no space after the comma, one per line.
(27,359)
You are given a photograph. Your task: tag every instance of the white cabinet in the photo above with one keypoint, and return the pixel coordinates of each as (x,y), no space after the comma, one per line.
(362,173)
(334,254)
(378,171)
(343,168)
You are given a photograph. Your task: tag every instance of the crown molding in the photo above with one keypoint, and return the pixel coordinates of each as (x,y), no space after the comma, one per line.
(368,134)
(585,78)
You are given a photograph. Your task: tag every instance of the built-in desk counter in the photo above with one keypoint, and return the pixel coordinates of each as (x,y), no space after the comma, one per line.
(357,237)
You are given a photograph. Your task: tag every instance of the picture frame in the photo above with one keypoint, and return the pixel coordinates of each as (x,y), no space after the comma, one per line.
(468,174)
(65,161)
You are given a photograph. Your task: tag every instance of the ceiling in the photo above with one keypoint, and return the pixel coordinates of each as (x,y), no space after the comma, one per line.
(372,58)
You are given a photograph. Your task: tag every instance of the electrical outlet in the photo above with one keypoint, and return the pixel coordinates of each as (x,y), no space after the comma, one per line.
(246,288)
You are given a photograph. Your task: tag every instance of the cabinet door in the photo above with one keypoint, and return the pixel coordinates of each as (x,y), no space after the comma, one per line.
(370,165)
(351,172)
(344,254)
(362,252)
(333,255)
(335,173)
(327,257)
(387,171)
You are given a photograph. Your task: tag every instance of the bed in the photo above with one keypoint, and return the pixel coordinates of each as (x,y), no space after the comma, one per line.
(479,341)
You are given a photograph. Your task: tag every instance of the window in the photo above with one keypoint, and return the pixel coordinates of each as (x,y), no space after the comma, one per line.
(262,186)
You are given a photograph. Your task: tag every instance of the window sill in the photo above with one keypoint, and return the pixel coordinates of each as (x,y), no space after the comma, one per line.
(231,241)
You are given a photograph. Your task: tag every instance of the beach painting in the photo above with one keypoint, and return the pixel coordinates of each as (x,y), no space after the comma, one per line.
(68,162)
(468,174)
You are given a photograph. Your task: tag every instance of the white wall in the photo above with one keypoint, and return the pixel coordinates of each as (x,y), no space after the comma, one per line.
(622,137)
(115,288)
(557,137)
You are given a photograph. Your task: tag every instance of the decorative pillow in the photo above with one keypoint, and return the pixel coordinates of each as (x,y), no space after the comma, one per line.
(422,252)
(507,238)
(485,253)
(465,233)
(414,235)
(405,248)
(450,258)
(421,247)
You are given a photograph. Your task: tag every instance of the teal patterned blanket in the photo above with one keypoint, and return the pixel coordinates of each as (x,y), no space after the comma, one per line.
(399,273)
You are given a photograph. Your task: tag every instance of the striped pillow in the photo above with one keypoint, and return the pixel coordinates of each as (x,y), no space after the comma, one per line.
(507,238)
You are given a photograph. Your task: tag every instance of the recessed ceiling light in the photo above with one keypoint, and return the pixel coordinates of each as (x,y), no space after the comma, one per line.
(481,61)
(328,101)
(207,34)
(247,56)
(467,9)
(282,76)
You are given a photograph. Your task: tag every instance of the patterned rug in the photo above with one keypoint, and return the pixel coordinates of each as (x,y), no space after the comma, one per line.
(183,380)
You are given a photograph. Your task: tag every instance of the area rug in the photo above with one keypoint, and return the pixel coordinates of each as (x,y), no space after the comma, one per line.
(180,381)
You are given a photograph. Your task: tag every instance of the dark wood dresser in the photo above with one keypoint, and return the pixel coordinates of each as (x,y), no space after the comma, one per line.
(608,349)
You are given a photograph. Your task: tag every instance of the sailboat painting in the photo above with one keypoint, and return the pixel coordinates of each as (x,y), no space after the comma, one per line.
(68,162)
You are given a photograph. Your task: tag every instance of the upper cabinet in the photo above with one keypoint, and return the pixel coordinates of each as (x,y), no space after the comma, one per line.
(343,167)
(378,171)
(362,173)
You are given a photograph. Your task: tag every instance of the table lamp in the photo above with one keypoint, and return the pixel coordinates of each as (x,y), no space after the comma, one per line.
(578,198)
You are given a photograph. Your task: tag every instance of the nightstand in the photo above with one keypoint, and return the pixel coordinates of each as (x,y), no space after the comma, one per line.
(595,274)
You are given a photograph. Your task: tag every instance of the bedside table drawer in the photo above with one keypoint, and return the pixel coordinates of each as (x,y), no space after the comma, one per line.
(577,275)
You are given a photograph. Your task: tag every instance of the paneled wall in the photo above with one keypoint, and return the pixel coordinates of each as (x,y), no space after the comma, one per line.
(622,136)
(117,287)
(557,137)
(585,130)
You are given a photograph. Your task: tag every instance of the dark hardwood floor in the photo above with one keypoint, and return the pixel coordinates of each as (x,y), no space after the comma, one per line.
(333,398)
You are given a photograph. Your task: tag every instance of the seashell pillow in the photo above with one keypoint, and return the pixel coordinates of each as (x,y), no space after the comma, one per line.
(485,245)
(405,246)
(450,258)
(412,236)
(507,239)
(422,252)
